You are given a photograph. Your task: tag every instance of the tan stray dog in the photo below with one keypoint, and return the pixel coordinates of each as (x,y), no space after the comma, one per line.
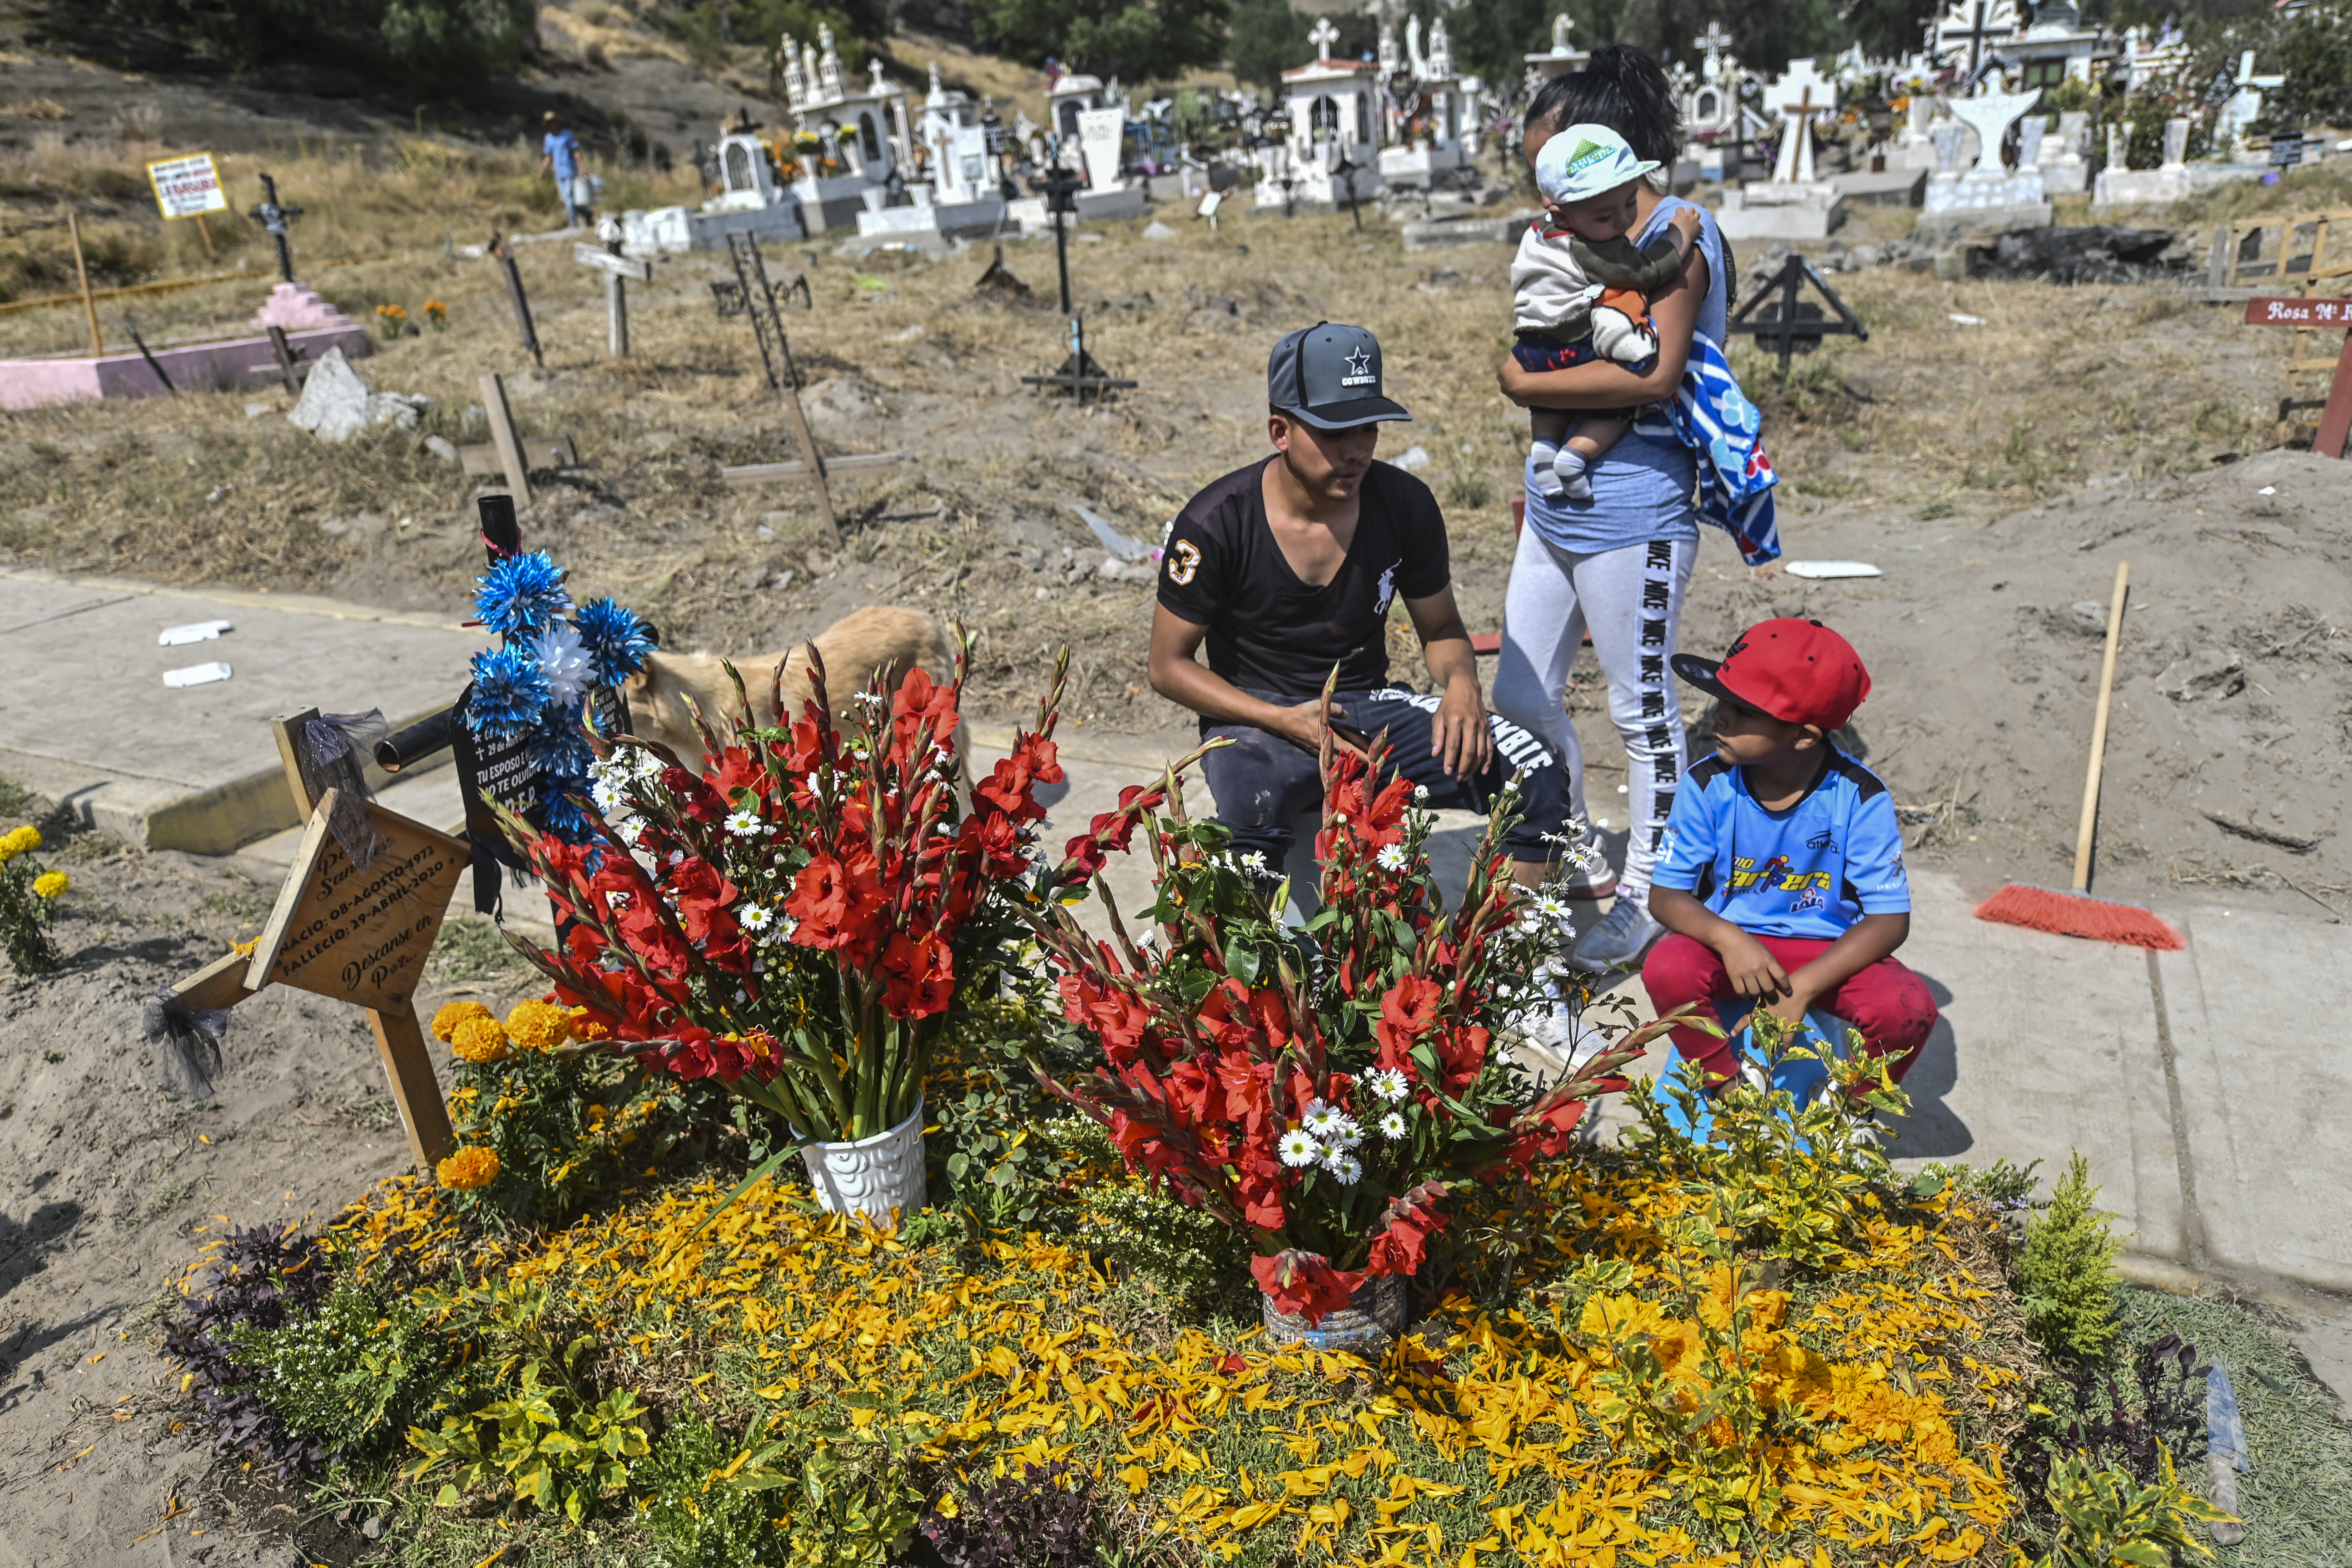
(881,638)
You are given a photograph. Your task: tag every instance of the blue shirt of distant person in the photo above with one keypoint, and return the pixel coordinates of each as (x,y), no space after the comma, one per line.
(561,157)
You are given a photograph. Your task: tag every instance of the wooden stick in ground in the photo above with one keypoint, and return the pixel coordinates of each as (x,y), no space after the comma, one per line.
(2099,732)
(206,229)
(503,436)
(793,411)
(81,271)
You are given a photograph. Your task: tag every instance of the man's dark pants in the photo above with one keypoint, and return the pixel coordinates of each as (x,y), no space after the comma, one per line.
(1262,782)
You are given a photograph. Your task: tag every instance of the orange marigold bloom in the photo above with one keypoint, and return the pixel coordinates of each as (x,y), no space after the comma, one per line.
(586,1026)
(468,1169)
(538,1026)
(452,1014)
(479,1040)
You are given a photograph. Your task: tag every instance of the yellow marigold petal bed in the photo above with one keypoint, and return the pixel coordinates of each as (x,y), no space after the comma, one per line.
(1487,1436)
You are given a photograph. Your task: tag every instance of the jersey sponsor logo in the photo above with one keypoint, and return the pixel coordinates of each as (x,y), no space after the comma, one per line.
(1387,589)
(1822,842)
(1808,902)
(1183,561)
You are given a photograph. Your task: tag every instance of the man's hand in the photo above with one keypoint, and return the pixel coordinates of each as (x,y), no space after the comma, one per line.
(1460,734)
(1303,726)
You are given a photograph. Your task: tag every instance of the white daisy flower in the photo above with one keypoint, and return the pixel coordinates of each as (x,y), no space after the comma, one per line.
(1253,862)
(1322,1119)
(753,918)
(1390,858)
(1346,1136)
(1343,1165)
(1389,1084)
(1298,1147)
(1421,792)
(1393,1125)
(743,824)
(781,932)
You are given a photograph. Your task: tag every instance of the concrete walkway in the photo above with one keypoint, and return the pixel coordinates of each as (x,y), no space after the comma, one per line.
(86,718)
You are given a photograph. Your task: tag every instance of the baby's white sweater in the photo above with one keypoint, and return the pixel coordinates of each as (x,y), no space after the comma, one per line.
(1545,282)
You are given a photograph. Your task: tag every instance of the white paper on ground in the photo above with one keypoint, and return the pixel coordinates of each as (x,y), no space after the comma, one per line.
(197,675)
(1831,569)
(1968,321)
(194,631)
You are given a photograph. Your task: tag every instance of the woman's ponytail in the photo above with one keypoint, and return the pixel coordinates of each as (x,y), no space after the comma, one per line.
(1623,88)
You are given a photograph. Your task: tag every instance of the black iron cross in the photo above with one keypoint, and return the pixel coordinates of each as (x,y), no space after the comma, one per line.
(1784,324)
(1977,36)
(273,218)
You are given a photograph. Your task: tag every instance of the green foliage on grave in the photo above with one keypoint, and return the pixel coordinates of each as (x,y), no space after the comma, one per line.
(2066,1271)
(2104,1517)
(355,1374)
(1136,40)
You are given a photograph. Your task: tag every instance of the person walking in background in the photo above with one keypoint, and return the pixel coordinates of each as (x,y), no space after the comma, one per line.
(1619,563)
(559,157)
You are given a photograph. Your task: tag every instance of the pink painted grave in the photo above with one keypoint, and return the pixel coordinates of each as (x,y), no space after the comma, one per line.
(312,326)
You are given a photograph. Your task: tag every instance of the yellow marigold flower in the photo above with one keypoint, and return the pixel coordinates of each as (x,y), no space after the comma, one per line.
(452,1014)
(586,1026)
(539,1025)
(50,884)
(479,1040)
(468,1169)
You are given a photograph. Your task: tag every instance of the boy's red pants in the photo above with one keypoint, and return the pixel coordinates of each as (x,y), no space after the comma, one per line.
(1887,1002)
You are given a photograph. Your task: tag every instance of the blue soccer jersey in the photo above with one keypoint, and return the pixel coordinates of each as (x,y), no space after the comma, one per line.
(1810,871)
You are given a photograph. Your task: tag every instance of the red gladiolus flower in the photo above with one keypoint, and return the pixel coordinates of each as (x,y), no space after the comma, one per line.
(837,903)
(1305,1284)
(1115,828)
(922,975)
(1407,1011)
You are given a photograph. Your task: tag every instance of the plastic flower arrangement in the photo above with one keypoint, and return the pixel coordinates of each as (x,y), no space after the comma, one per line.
(793,921)
(536,686)
(392,319)
(436,314)
(1323,1090)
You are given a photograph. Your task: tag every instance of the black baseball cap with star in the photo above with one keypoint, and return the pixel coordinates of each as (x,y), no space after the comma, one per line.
(1328,376)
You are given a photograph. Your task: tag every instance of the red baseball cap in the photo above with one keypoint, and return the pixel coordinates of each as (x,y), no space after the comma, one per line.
(1797,672)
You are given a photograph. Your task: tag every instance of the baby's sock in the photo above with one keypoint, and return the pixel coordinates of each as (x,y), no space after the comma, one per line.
(1547,454)
(1569,469)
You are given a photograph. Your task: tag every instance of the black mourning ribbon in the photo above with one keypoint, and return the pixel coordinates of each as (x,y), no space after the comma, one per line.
(333,752)
(195,1058)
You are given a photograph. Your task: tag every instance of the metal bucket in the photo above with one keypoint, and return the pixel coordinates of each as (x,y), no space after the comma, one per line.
(1373,1317)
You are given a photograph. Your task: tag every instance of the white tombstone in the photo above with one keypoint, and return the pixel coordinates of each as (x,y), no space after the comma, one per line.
(1334,140)
(2119,187)
(1424,112)
(1965,32)
(2066,161)
(1562,58)
(1102,132)
(1987,194)
(2244,107)
(1919,151)
(1799,94)
(957,196)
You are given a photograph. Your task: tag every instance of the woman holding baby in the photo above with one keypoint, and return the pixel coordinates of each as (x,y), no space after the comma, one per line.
(1611,523)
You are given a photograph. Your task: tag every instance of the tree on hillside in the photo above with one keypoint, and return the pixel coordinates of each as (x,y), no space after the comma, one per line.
(1268,37)
(431,45)
(1137,41)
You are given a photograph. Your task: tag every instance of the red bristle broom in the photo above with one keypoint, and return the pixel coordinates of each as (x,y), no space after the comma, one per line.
(2076,913)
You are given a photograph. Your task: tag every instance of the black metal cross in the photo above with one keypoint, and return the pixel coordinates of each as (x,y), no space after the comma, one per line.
(1977,37)
(1785,324)
(273,218)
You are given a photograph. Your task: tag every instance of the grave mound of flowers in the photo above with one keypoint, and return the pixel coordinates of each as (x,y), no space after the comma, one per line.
(1168,1164)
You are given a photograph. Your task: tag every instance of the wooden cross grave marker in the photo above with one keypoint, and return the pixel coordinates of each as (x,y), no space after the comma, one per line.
(2317,315)
(617,269)
(359,936)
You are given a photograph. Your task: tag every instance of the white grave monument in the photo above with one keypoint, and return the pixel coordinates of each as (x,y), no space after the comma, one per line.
(1423,120)
(2245,107)
(861,129)
(1090,132)
(957,195)
(2056,48)
(758,199)
(1793,204)
(1334,131)
(1984,193)
(2118,186)
(1562,58)
(2066,161)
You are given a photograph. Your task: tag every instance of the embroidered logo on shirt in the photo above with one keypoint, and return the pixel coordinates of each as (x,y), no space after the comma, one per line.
(1821,841)
(1387,590)
(1183,561)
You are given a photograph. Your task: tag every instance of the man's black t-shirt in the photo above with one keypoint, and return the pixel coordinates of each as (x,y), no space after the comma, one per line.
(1267,630)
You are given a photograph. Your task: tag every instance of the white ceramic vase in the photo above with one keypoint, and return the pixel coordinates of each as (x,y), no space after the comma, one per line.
(873,1176)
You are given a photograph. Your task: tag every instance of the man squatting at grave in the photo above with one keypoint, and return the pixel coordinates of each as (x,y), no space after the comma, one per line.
(1287,567)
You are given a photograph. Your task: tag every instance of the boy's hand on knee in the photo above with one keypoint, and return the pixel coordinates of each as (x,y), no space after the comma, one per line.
(1750,964)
